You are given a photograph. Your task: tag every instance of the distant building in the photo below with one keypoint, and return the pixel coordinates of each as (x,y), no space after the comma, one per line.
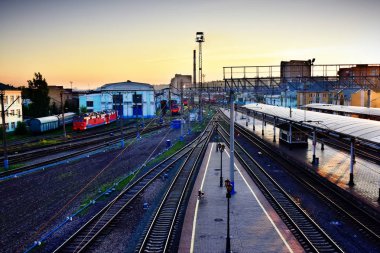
(12,107)
(69,98)
(273,100)
(360,98)
(130,99)
(313,97)
(181,81)
(289,98)
(364,75)
(295,70)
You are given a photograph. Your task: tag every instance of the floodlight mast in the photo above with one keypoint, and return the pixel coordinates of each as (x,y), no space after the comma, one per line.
(200,39)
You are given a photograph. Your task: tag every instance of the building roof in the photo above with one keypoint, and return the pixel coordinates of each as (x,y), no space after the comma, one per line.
(362,129)
(7,87)
(346,109)
(125,86)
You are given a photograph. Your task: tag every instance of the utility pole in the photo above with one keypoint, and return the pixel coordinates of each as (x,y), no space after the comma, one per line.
(182,111)
(63,115)
(232,141)
(6,165)
(121,119)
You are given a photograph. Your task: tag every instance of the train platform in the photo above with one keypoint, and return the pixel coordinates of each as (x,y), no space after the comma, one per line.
(334,164)
(254,225)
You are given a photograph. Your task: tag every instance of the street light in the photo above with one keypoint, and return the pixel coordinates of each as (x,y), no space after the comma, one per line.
(200,39)
(228,185)
(221,149)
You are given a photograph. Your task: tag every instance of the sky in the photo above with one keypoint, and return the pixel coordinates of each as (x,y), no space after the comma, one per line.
(93,42)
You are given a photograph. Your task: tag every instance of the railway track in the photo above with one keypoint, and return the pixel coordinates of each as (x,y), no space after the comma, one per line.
(24,143)
(106,218)
(308,233)
(67,145)
(364,220)
(94,146)
(161,235)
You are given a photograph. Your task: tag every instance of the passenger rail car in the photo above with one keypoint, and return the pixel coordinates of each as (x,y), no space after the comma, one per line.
(43,124)
(93,119)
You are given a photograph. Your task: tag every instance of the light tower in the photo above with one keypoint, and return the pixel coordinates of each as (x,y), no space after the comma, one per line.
(200,38)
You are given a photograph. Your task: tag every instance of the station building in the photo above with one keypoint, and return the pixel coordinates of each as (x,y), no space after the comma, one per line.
(130,99)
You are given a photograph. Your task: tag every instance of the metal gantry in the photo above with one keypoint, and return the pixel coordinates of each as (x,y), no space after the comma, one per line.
(268,79)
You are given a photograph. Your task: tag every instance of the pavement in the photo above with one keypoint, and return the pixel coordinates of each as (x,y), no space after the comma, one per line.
(334,164)
(254,225)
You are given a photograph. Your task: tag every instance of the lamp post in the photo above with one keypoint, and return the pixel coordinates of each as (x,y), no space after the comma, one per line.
(221,149)
(228,185)
(200,39)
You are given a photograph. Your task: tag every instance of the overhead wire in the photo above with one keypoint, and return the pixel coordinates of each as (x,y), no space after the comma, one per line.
(45,224)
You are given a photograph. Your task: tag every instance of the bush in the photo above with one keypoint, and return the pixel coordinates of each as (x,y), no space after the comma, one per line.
(21,128)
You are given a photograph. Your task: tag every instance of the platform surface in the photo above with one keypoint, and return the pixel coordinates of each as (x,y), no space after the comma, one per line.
(254,225)
(334,164)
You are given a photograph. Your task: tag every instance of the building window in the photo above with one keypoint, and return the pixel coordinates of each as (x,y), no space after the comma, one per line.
(12,112)
(311,95)
(117,99)
(6,100)
(12,99)
(7,126)
(12,125)
(90,103)
(18,112)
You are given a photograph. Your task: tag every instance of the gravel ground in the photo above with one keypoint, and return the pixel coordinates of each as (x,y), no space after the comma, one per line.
(31,205)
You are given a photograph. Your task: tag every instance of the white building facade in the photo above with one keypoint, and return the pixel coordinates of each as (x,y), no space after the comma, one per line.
(13,109)
(130,99)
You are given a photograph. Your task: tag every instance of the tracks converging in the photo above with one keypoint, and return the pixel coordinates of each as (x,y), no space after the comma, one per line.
(311,236)
(159,237)
(308,233)
(102,221)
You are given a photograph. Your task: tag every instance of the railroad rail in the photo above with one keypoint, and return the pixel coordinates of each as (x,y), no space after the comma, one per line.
(360,214)
(94,146)
(67,145)
(308,233)
(160,236)
(105,218)
(19,144)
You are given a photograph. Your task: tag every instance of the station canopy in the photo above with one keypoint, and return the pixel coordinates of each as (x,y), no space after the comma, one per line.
(362,129)
(346,109)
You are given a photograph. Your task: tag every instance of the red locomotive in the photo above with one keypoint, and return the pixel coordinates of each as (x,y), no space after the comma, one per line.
(175,109)
(93,119)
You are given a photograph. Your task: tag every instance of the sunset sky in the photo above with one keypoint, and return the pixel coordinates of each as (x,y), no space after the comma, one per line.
(92,42)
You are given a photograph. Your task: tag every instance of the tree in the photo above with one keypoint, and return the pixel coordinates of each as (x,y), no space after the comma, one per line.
(38,93)
(54,109)
(83,109)
(21,128)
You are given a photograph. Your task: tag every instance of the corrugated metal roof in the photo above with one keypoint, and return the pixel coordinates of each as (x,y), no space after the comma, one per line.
(347,109)
(128,85)
(366,130)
